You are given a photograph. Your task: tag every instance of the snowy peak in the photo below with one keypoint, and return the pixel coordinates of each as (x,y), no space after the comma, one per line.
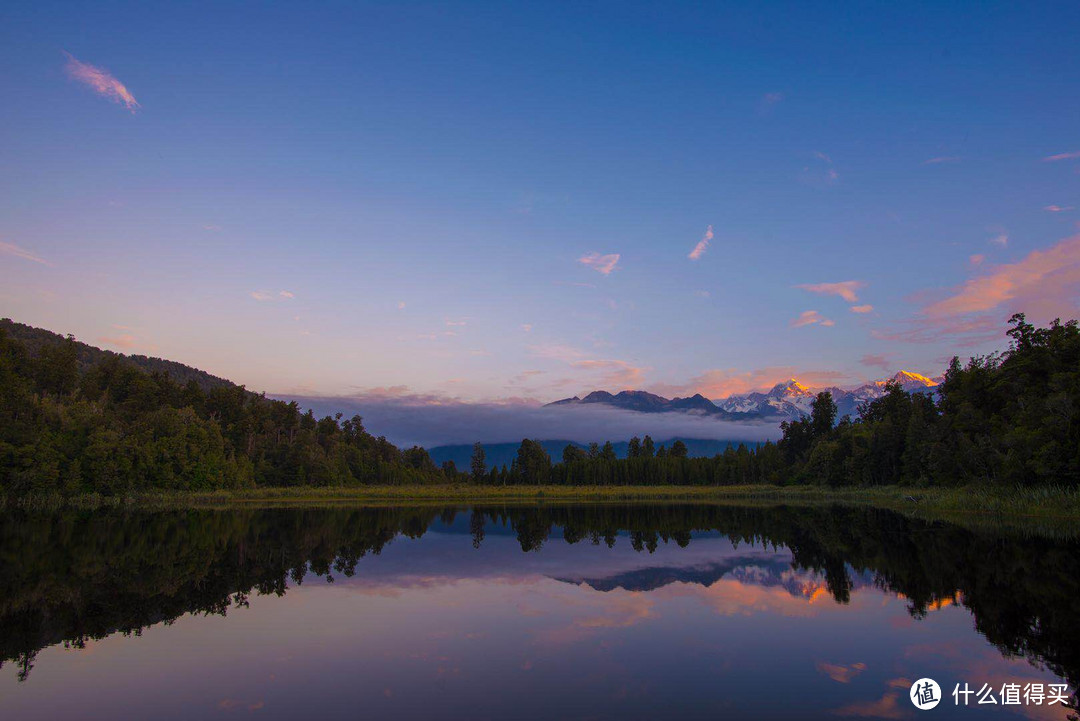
(789,399)
(907,378)
(790,387)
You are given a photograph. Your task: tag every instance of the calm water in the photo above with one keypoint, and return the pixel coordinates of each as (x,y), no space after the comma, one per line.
(621,611)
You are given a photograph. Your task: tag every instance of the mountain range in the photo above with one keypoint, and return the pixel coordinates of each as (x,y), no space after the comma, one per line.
(787,400)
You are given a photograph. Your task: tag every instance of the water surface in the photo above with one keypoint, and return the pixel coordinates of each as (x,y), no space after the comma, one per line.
(587,611)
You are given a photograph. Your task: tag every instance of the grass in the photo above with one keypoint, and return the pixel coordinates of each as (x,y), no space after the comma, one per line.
(1047,502)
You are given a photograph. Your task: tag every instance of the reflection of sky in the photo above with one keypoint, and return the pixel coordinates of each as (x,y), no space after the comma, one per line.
(432,628)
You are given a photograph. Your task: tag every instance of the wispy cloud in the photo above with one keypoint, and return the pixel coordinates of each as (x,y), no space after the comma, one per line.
(862,308)
(1057,208)
(1062,156)
(840,673)
(1001,239)
(401,305)
(101,81)
(846,289)
(12,249)
(1043,278)
(264,296)
(456,323)
(876,361)
(810,317)
(125,341)
(702,245)
(977,260)
(942,159)
(211,228)
(602,264)
(770,99)
(614,373)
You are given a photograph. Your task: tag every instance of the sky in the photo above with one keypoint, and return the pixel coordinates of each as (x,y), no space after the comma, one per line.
(519,202)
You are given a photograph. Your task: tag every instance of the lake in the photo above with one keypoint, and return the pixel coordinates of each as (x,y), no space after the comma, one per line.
(629,611)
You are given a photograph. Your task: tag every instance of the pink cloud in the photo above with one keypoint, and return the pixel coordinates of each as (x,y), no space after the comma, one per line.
(261,295)
(810,317)
(862,308)
(101,82)
(702,245)
(1057,208)
(12,249)
(1001,239)
(840,673)
(1062,156)
(942,159)
(1043,279)
(886,707)
(876,361)
(977,259)
(602,264)
(846,289)
(615,373)
(286,294)
(120,341)
(1044,284)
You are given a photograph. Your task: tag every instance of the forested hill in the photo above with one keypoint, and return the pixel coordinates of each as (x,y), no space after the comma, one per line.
(76,419)
(34,339)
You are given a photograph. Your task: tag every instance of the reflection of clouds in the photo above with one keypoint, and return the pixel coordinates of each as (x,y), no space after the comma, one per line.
(839,672)
(888,706)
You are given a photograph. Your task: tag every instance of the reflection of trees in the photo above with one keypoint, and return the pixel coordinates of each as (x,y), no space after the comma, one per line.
(76,576)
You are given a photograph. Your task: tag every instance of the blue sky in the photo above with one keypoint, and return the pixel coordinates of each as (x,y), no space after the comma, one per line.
(423,182)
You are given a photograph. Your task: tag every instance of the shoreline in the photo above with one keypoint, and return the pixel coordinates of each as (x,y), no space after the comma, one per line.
(1039,503)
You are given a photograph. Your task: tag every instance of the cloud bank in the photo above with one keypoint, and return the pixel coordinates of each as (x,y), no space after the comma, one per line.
(429,421)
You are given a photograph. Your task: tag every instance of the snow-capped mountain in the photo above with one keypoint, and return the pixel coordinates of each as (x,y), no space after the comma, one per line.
(787,400)
(791,399)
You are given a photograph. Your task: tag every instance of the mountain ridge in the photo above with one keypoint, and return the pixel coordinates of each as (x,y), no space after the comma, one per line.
(785,400)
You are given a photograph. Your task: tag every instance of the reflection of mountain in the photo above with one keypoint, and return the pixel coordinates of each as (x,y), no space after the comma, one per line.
(650,579)
(765,571)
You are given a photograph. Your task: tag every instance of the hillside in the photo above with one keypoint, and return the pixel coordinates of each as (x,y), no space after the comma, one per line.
(34,339)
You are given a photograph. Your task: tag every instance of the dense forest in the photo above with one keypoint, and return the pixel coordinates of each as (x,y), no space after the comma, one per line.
(74,420)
